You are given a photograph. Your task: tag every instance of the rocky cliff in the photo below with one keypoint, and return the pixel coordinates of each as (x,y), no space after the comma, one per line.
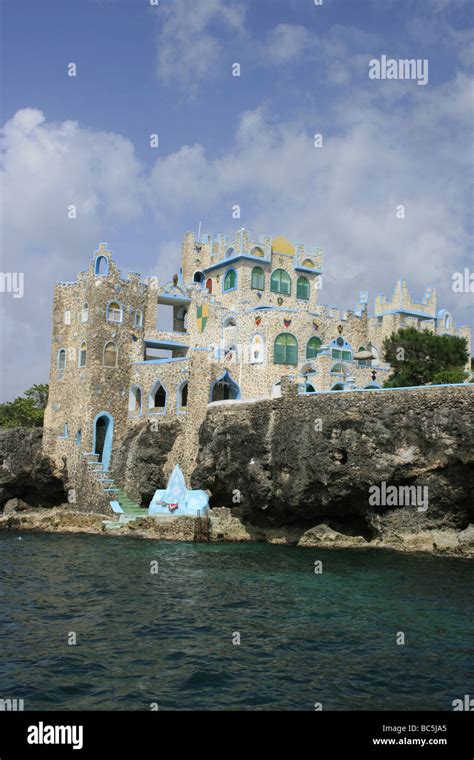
(309,460)
(24,472)
(299,469)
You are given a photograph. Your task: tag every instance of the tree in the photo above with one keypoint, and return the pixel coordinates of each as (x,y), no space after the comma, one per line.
(26,410)
(447,376)
(418,356)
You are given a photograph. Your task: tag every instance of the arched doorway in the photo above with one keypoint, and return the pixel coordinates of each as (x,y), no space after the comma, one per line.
(225,389)
(103,436)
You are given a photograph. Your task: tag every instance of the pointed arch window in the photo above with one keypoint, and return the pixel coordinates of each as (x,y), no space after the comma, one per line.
(110,354)
(85,312)
(225,389)
(280,282)
(83,354)
(157,399)
(302,288)
(285,349)
(313,347)
(258,278)
(138,318)
(183,396)
(209,284)
(135,399)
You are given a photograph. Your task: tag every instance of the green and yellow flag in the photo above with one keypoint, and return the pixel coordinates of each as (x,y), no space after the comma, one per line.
(201,317)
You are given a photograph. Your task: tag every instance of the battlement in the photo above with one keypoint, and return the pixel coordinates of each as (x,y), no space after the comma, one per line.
(402,302)
(206,253)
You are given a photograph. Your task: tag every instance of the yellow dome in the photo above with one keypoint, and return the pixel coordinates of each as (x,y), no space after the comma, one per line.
(281,245)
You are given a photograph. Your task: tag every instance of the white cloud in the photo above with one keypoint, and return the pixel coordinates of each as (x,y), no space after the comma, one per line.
(344,196)
(188,49)
(285,42)
(393,145)
(45,168)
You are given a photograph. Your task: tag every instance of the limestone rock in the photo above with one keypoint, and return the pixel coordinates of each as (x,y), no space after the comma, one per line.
(15,505)
(324,536)
(25,473)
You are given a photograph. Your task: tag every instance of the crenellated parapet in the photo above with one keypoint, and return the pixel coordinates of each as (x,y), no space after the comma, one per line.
(402,302)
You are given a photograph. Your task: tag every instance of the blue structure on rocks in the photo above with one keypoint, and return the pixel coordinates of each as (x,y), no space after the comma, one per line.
(178,500)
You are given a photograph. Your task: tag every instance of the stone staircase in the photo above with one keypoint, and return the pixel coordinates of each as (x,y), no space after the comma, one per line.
(105,483)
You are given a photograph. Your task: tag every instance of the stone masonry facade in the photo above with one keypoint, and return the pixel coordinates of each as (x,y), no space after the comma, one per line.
(238,318)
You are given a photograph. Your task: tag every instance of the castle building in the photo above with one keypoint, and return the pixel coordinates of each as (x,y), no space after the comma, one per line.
(240,316)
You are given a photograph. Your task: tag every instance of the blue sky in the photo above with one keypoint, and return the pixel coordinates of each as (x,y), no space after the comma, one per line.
(228,140)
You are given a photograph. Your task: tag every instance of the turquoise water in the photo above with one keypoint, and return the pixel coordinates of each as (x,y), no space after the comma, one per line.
(167,638)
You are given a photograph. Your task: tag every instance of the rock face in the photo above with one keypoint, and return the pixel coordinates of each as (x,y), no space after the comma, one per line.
(326,537)
(138,464)
(25,473)
(311,460)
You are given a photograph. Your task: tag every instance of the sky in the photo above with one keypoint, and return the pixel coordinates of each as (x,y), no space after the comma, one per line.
(224,140)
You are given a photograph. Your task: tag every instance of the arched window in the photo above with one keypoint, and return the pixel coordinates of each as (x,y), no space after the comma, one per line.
(101,266)
(138,319)
(183,396)
(340,349)
(375,353)
(280,282)
(110,354)
(230,280)
(302,288)
(362,362)
(258,278)
(157,398)
(181,319)
(135,399)
(337,387)
(285,349)
(309,388)
(85,312)
(62,358)
(257,350)
(313,347)
(229,253)
(78,438)
(83,355)
(447,322)
(198,277)
(66,430)
(225,389)
(114,312)
(257,251)
(308,263)
(209,284)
